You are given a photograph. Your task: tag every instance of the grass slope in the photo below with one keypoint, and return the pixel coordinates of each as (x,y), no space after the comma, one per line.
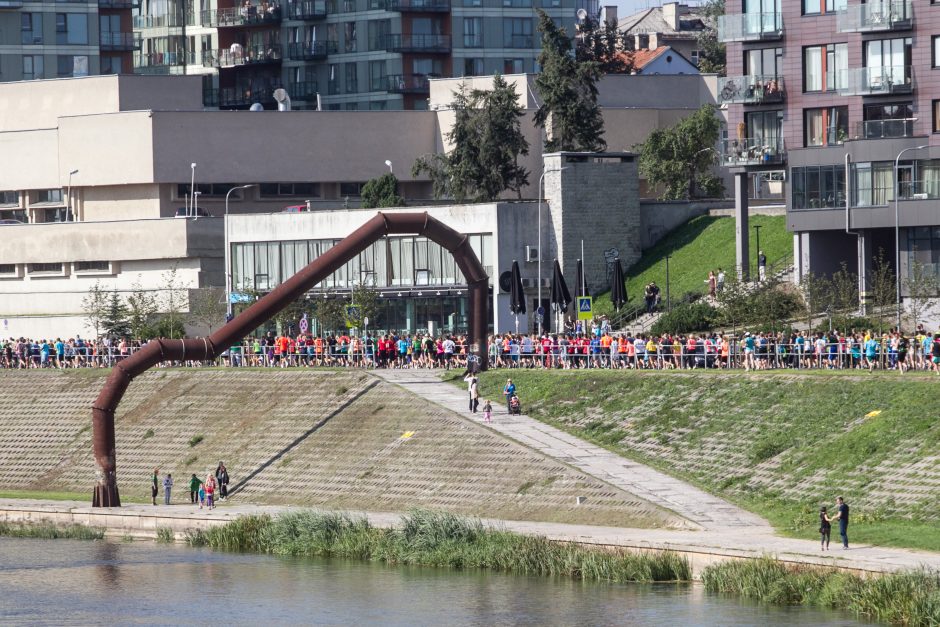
(701,244)
(779,444)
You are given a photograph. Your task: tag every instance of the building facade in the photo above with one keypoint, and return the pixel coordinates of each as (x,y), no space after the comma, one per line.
(49,40)
(672,24)
(842,97)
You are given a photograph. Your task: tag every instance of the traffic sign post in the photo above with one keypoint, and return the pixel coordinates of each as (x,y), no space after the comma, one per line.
(585,308)
(304,325)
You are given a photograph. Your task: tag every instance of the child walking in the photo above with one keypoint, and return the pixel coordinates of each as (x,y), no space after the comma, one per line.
(487,411)
(202,495)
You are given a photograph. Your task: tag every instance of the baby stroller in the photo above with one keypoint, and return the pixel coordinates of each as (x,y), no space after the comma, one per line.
(515,407)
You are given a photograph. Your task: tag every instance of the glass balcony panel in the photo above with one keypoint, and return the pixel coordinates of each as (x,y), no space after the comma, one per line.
(750,27)
(752,151)
(873,17)
(751,90)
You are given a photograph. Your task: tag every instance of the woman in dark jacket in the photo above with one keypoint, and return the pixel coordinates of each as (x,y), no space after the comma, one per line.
(221,475)
(825,529)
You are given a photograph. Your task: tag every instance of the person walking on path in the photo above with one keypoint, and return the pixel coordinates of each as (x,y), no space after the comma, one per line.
(194,484)
(221,477)
(509,391)
(473,387)
(842,515)
(825,529)
(210,485)
(720,281)
(154,483)
(712,283)
(167,488)
(487,411)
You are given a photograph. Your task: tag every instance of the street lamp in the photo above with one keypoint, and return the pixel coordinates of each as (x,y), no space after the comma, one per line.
(68,201)
(541,189)
(389,164)
(757,235)
(192,183)
(196,205)
(897,233)
(228,268)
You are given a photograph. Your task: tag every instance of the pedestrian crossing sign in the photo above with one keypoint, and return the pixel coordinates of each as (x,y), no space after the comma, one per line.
(585,309)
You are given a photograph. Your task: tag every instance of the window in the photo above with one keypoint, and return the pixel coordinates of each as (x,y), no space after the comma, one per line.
(378,105)
(473,32)
(872,183)
(818,187)
(92,266)
(764,62)
(9,198)
(473,67)
(208,190)
(31,27)
(378,77)
(332,86)
(513,66)
(887,120)
(694,56)
(71,28)
(8,269)
(378,34)
(517,4)
(517,32)
(888,62)
(44,268)
(350,189)
(111,65)
(69,65)
(352,80)
(349,36)
(297,190)
(765,128)
(33,67)
(825,68)
(936,116)
(48,195)
(814,7)
(936,51)
(825,127)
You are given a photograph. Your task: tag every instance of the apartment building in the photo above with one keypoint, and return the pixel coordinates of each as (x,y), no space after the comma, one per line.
(77,38)
(841,98)
(340,54)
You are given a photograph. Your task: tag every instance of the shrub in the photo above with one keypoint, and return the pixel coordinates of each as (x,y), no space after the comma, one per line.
(686,318)
(196,439)
(165,535)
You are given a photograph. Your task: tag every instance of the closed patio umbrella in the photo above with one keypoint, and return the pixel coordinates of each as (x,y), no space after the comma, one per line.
(561,297)
(618,286)
(516,295)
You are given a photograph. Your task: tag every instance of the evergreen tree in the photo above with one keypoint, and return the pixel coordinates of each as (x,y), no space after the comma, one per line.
(115,320)
(381,191)
(679,158)
(486,141)
(605,45)
(711,56)
(567,87)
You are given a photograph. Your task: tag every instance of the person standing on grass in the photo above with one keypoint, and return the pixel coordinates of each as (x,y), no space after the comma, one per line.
(842,515)
(154,483)
(508,392)
(825,529)
(167,488)
(194,484)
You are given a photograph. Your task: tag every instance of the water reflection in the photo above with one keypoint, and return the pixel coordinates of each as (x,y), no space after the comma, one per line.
(62,582)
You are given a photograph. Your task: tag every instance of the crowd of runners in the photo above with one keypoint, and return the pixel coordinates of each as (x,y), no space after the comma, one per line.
(598,348)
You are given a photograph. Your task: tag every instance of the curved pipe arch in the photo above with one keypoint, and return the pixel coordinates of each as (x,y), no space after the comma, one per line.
(156,351)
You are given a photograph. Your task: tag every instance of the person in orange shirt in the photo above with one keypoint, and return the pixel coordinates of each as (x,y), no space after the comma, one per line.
(318,350)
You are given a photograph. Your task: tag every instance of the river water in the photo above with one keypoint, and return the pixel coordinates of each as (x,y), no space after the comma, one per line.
(110,582)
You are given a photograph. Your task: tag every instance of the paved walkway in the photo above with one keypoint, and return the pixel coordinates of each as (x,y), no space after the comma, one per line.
(705,510)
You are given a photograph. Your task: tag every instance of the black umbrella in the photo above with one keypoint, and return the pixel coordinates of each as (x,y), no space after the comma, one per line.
(581,288)
(618,286)
(561,297)
(516,295)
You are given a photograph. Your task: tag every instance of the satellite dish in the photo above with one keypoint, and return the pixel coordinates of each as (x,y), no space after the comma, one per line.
(257,106)
(283,100)
(582,13)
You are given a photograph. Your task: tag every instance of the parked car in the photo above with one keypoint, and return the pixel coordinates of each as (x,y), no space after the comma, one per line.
(7,221)
(295,209)
(183,212)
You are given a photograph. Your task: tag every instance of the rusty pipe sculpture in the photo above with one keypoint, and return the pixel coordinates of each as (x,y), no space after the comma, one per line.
(157,351)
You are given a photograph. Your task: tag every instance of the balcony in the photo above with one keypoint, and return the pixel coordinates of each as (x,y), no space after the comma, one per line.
(876,81)
(160,62)
(750,27)
(422,44)
(162,21)
(418,6)
(751,90)
(241,16)
(307,10)
(119,41)
(885,129)
(242,98)
(237,55)
(118,4)
(752,151)
(876,17)
(311,50)
(408,84)
(305,90)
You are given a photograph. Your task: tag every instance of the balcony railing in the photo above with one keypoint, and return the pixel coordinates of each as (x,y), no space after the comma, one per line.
(119,41)
(408,84)
(118,4)
(235,97)
(162,21)
(241,16)
(750,27)
(310,50)
(752,151)
(876,17)
(885,129)
(751,89)
(237,55)
(306,10)
(427,44)
(305,90)
(418,6)
(162,60)
(876,81)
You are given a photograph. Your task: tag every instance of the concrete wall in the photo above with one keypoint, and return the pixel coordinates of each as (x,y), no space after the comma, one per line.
(657,218)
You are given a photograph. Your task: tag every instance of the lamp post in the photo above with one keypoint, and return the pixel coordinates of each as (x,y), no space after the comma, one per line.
(539,245)
(897,233)
(228,268)
(196,205)
(192,182)
(389,164)
(68,200)
(757,235)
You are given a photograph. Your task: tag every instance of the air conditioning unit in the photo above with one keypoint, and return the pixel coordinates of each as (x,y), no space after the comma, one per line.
(920,196)
(531,253)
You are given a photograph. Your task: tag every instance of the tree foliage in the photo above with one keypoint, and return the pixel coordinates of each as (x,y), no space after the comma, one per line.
(605,45)
(680,158)
(365,299)
(207,307)
(711,56)
(486,141)
(94,305)
(171,323)
(115,321)
(331,314)
(817,292)
(141,310)
(922,287)
(883,290)
(569,112)
(381,191)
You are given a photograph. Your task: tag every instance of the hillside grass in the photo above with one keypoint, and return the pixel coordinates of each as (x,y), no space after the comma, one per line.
(701,244)
(778,444)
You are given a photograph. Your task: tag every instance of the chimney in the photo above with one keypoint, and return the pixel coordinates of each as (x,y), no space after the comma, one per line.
(610,14)
(671,14)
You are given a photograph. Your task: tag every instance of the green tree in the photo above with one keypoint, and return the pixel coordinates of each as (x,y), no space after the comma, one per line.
(817,294)
(734,301)
(207,307)
(883,289)
(569,113)
(381,191)
(95,304)
(604,44)
(115,322)
(141,309)
(711,56)
(844,291)
(486,141)
(365,299)
(331,314)
(680,158)
(171,322)
(922,287)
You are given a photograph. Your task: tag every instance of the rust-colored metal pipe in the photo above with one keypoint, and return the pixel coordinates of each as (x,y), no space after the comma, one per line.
(123,372)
